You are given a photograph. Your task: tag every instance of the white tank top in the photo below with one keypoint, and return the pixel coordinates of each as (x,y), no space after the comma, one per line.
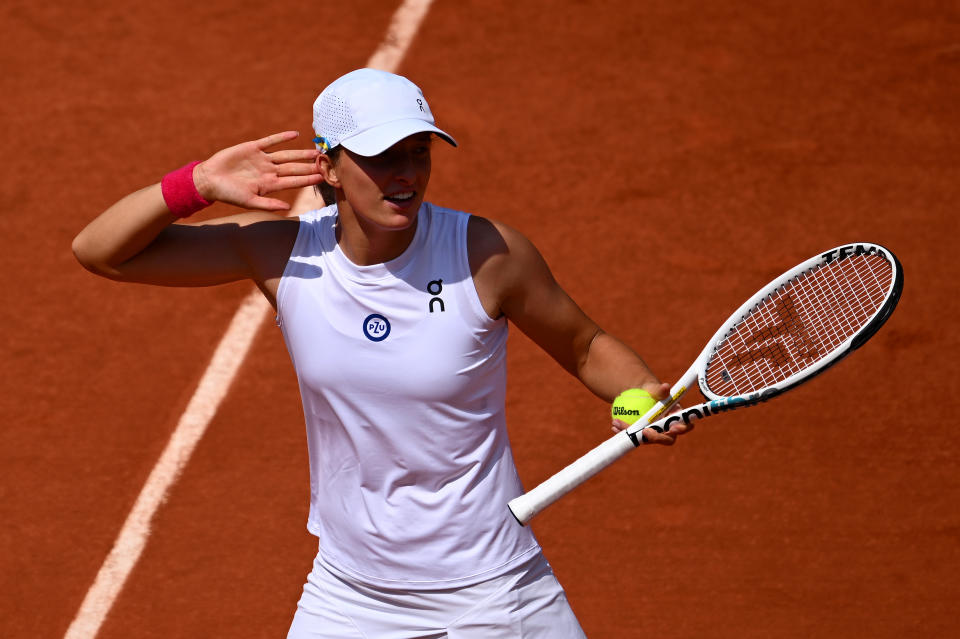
(402,375)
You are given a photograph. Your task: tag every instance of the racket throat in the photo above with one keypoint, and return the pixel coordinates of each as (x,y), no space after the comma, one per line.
(708,410)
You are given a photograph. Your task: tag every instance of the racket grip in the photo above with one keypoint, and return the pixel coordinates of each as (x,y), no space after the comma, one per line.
(526,506)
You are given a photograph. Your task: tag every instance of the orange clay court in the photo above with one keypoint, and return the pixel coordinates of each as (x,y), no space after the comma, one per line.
(667,157)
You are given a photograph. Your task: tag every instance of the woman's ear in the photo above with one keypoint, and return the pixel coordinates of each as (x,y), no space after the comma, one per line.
(328,169)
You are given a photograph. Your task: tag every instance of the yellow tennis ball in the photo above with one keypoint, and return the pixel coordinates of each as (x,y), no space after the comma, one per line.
(631,405)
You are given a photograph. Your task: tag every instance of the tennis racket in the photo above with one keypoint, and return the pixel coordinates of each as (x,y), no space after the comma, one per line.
(794,328)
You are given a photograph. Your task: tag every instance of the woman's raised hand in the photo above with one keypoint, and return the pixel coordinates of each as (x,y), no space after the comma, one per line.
(243,174)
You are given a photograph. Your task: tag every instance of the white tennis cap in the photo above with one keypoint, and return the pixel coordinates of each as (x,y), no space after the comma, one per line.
(368,111)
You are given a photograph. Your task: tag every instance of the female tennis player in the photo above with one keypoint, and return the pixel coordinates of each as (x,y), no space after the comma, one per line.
(394,312)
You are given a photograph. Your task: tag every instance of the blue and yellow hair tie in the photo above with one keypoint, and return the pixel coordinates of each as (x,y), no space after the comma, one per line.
(321,143)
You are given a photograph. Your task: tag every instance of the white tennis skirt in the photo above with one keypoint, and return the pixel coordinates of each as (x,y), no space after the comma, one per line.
(525,603)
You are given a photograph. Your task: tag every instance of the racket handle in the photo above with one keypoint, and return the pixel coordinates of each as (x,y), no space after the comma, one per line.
(525,507)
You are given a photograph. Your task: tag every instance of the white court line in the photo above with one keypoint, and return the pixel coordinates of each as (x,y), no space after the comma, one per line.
(403,28)
(213,386)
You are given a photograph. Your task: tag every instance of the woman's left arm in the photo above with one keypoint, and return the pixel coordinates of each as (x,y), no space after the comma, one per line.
(514,280)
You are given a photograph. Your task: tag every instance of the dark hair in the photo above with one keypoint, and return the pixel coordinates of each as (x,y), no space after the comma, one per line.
(325,190)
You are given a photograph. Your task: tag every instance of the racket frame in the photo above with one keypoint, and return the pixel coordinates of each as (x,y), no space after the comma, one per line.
(721,403)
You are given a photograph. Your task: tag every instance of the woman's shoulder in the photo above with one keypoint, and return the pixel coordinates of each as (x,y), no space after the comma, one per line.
(489,239)
(501,259)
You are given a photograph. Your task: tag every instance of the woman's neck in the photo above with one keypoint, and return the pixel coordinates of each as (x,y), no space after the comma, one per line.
(365,243)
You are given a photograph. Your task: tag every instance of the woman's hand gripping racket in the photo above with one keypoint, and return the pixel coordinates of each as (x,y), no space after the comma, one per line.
(791,330)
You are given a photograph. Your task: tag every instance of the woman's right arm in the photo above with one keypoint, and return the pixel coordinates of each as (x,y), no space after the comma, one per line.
(136,239)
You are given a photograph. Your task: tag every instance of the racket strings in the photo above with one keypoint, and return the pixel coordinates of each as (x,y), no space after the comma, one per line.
(799,324)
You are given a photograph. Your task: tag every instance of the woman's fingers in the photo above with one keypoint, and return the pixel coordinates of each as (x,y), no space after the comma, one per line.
(298,181)
(276,138)
(618,425)
(651,436)
(243,174)
(293,155)
(267,204)
(297,168)
(663,392)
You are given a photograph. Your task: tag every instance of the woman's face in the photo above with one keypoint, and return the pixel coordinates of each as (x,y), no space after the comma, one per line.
(387,189)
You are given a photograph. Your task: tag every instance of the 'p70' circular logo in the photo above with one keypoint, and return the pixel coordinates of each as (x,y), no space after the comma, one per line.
(376,327)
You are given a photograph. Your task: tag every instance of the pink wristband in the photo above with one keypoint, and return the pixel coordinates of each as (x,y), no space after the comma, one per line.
(180,193)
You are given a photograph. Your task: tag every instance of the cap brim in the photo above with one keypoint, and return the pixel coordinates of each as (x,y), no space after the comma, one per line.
(378,139)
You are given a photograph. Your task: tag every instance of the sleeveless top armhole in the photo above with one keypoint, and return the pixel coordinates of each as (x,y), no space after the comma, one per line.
(298,261)
(476,304)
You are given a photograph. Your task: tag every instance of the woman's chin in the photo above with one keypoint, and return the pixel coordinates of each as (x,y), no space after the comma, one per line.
(399,215)
(392,219)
